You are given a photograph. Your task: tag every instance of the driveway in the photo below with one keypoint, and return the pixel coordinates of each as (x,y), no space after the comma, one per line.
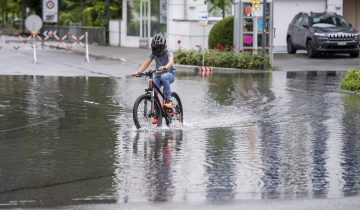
(300,62)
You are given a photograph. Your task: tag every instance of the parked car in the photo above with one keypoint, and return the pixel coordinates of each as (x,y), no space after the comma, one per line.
(322,33)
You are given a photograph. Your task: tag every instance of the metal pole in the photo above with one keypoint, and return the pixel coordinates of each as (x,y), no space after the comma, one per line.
(107,21)
(203,48)
(236,26)
(23,17)
(87,47)
(264,34)
(33,34)
(255,31)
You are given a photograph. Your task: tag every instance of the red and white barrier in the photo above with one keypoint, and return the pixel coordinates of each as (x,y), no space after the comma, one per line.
(204,71)
(47,39)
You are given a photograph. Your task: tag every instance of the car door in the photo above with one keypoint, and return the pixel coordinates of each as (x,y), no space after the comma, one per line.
(303,31)
(296,31)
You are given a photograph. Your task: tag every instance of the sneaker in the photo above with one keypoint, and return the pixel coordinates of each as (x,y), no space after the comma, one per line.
(168,104)
(155,121)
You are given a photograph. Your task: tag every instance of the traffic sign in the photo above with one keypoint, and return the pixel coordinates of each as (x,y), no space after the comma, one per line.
(33,23)
(50,4)
(50,11)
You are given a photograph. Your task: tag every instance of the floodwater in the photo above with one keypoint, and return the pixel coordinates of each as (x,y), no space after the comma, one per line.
(72,140)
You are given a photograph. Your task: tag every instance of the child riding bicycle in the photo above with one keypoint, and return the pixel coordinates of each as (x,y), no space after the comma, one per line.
(164,61)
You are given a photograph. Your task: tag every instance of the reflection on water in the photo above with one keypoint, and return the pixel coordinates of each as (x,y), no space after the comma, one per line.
(350,160)
(220,157)
(70,140)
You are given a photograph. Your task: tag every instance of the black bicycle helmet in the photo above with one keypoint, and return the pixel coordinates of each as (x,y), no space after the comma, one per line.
(158,45)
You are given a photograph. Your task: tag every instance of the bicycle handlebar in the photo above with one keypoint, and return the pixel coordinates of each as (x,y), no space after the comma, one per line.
(147,74)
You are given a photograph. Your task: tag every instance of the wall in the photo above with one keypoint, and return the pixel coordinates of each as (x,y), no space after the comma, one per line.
(183,24)
(335,6)
(114,33)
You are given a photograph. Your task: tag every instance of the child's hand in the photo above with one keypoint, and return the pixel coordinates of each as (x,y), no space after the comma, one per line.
(135,74)
(162,68)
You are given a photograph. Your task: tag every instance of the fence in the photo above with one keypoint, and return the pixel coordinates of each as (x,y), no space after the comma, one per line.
(96,35)
(49,39)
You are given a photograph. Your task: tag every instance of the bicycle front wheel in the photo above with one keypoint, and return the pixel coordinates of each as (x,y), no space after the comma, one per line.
(146,116)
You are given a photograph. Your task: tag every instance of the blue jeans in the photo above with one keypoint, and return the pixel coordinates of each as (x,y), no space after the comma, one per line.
(165,79)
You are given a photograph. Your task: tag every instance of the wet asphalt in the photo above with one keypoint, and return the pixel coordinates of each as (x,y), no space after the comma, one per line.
(129,59)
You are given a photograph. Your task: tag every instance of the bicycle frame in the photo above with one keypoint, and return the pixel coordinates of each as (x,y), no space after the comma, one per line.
(154,92)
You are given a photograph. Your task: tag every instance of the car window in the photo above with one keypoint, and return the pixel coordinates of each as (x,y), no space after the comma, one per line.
(295,18)
(305,21)
(341,21)
(298,21)
(336,21)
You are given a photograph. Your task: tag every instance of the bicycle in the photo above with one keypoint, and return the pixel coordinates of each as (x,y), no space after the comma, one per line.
(148,106)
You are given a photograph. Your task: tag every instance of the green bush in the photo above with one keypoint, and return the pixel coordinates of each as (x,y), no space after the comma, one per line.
(226,59)
(221,34)
(351,80)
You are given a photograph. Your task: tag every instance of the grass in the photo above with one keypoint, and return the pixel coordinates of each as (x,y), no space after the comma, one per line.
(351,80)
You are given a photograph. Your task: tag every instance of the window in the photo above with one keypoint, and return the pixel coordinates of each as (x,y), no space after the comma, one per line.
(298,21)
(133,17)
(158,16)
(337,21)
(217,12)
(305,21)
(295,18)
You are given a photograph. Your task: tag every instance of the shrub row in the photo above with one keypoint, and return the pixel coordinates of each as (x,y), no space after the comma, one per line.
(227,59)
(351,80)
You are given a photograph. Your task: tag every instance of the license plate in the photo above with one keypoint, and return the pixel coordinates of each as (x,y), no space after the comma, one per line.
(341,43)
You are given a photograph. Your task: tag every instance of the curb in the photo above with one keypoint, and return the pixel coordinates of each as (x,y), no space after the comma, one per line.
(191,68)
(349,92)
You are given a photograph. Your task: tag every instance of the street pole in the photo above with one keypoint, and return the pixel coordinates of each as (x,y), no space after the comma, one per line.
(107,20)
(23,17)
(264,34)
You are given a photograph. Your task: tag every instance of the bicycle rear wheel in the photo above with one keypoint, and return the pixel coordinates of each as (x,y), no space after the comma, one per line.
(143,115)
(176,115)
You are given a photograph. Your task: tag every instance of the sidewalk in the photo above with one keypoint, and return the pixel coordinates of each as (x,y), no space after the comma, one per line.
(124,54)
(281,62)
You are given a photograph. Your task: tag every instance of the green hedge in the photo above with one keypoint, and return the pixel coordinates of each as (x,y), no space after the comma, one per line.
(221,34)
(351,80)
(216,58)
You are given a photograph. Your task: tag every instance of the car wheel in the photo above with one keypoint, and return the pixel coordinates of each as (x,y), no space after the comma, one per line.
(290,46)
(310,49)
(354,54)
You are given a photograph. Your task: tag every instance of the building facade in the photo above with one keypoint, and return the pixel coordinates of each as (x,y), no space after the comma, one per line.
(180,20)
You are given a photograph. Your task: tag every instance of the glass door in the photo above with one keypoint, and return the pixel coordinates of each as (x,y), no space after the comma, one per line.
(145,23)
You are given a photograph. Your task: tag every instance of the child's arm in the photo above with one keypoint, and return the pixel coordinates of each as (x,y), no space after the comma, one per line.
(144,66)
(168,65)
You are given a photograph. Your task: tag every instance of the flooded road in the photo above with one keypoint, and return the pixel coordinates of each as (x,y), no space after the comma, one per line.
(281,135)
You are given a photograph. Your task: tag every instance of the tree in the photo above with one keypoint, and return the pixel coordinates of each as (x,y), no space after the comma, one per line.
(88,12)
(9,10)
(224,5)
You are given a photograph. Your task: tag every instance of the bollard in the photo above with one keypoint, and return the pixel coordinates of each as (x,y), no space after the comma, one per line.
(203,70)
